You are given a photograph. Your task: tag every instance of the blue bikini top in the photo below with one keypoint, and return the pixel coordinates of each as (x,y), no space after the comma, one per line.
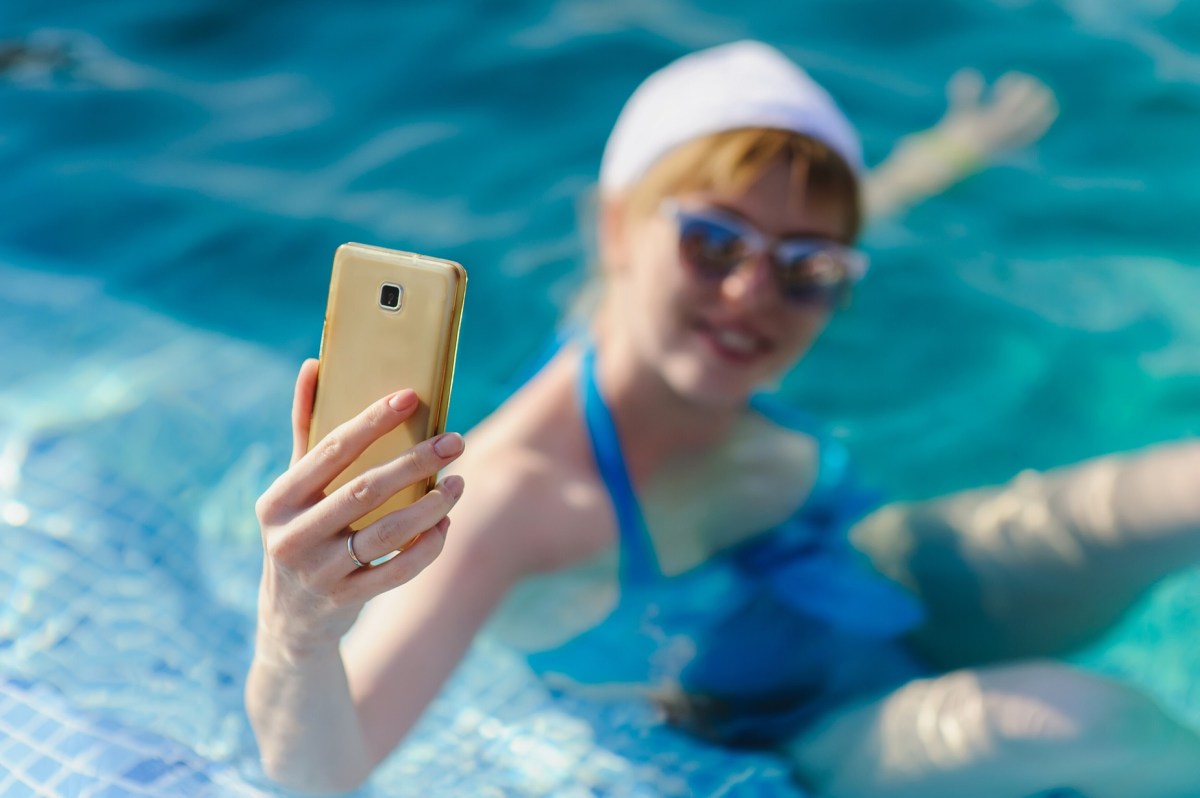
(771,631)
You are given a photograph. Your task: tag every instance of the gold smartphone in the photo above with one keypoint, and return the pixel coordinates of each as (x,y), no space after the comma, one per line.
(391,323)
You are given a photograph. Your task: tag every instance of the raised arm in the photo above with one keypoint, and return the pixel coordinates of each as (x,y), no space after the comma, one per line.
(1020,109)
(1046,562)
(317,733)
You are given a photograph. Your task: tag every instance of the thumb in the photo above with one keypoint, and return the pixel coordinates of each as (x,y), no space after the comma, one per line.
(302,406)
(964,90)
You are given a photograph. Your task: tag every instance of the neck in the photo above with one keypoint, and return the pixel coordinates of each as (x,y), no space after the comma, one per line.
(655,422)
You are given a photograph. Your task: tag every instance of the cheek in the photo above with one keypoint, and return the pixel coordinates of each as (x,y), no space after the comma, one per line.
(804,329)
(654,274)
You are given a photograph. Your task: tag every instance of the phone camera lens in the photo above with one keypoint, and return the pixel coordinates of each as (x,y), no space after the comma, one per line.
(389,296)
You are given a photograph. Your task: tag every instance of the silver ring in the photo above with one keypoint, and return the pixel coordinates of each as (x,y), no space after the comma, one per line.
(350,549)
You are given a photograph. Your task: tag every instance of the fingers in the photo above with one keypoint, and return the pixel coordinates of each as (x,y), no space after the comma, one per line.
(366,583)
(1017,111)
(1028,104)
(313,472)
(370,490)
(1014,92)
(397,530)
(1015,99)
(302,405)
(321,565)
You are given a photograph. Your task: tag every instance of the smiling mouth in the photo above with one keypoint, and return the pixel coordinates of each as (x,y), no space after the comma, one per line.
(732,344)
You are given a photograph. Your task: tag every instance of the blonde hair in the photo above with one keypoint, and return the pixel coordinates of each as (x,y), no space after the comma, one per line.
(730,161)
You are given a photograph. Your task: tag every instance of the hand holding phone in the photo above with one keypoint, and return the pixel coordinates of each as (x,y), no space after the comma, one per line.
(368,431)
(392,323)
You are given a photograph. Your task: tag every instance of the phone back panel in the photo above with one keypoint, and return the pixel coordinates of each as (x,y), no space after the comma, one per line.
(369,351)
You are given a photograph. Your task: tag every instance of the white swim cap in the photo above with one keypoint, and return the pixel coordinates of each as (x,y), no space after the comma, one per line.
(739,85)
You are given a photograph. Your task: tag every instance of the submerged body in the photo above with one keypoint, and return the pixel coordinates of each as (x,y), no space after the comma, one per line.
(719,621)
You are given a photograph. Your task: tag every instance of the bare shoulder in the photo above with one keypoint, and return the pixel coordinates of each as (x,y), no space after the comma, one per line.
(547,513)
(533,497)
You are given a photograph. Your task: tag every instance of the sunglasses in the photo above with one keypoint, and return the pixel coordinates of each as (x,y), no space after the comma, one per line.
(807,271)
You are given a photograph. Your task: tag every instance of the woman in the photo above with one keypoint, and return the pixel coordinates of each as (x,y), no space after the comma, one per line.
(703,533)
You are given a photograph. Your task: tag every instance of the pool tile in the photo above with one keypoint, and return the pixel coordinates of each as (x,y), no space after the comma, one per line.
(149,771)
(77,743)
(18,789)
(43,769)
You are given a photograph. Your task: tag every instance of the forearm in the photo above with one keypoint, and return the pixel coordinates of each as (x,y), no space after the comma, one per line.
(921,165)
(309,734)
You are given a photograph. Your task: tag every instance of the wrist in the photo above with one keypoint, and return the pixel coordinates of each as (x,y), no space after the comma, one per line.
(952,147)
(294,624)
(280,645)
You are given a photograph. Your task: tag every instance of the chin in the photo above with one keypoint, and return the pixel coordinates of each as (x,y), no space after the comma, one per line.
(704,386)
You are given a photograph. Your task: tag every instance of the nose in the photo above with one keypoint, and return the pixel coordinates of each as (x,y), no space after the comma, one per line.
(750,285)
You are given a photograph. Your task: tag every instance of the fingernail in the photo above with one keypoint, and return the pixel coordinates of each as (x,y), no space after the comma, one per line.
(402,400)
(453,485)
(448,444)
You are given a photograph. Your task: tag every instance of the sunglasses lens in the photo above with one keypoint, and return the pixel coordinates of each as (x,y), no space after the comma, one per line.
(813,277)
(711,248)
(807,271)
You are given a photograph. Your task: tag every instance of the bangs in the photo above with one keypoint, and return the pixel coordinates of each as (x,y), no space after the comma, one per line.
(731,161)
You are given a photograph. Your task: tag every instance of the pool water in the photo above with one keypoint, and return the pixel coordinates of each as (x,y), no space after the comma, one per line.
(175,183)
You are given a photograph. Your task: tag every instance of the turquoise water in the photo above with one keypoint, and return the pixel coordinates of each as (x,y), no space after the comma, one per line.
(175,182)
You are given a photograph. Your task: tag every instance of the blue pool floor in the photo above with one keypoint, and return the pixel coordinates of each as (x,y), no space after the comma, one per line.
(48,748)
